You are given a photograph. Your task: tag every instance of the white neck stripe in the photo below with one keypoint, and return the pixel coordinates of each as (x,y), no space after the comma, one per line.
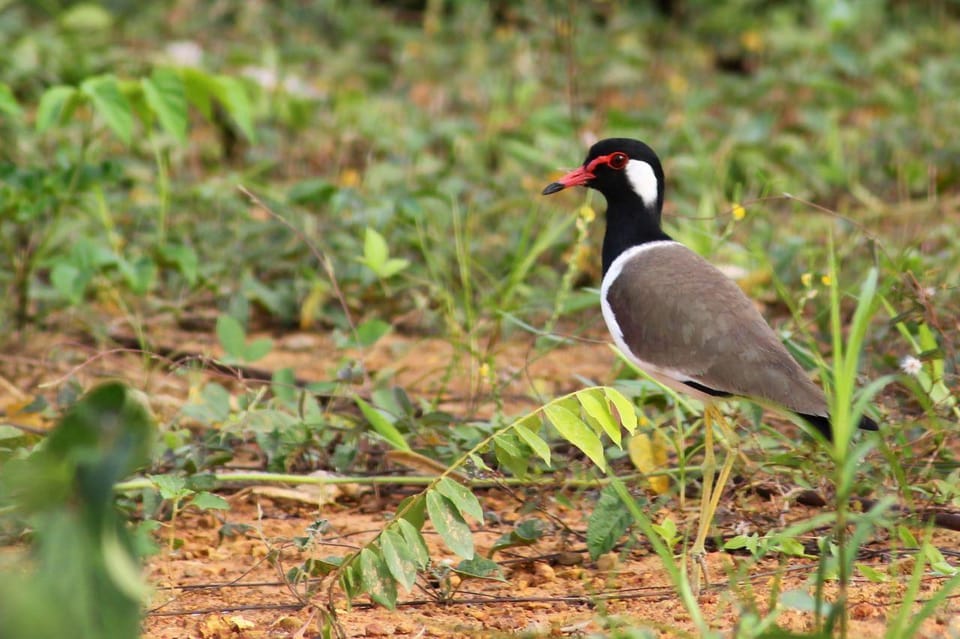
(643,181)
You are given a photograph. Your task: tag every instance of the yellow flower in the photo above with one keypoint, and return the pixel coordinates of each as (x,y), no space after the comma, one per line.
(806,279)
(739,212)
(587,214)
(752,41)
(677,84)
(826,280)
(349,178)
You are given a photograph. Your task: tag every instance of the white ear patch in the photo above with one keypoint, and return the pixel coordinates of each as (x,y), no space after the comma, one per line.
(644,181)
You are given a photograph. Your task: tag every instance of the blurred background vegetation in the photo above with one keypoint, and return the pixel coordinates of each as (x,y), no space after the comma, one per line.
(437,121)
(408,141)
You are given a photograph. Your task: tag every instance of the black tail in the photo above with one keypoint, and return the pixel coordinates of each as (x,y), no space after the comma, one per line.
(822,424)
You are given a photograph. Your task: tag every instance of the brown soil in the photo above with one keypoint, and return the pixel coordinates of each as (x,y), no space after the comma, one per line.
(231,589)
(234,587)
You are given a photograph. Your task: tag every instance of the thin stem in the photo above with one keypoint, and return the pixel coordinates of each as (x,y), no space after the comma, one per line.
(143,483)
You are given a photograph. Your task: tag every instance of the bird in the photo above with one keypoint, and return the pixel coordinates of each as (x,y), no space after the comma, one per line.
(680,319)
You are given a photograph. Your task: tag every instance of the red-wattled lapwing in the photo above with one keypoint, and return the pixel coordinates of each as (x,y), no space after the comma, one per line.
(677,317)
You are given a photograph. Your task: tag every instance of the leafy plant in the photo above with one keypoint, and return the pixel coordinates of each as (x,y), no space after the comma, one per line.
(233,339)
(84,554)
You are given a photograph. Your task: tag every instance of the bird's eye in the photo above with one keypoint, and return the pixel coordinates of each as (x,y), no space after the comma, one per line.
(618,161)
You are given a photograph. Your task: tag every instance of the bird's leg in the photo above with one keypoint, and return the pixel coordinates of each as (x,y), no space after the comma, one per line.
(708,468)
(731,443)
(710,493)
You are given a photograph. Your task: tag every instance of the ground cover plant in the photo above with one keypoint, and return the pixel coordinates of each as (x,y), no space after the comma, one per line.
(292,346)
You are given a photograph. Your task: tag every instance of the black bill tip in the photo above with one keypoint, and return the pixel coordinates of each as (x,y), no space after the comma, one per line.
(553,187)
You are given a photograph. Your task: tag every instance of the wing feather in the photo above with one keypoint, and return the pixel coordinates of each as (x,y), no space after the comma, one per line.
(675,311)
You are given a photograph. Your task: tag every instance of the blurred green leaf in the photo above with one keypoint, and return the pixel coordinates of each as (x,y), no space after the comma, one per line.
(208,501)
(185,259)
(236,101)
(86,16)
(55,106)
(166,96)
(232,337)
(110,103)
(8,102)
(376,256)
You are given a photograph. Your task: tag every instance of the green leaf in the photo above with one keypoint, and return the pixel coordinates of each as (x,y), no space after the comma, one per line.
(139,274)
(232,93)
(110,103)
(86,16)
(798,600)
(907,538)
(450,525)
(524,534)
(316,567)
(393,266)
(185,259)
(625,409)
(872,574)
(375,251)
(370,331)
(124,570)
(415,543)
(199,87)
(416,513)
(528,430)
(791,547)
(607,523)
(480,568)
(208,501)
(667,529)
(171,486)
(376,255)
(69,281)
(461,496)
(750,542)
(55,106)
(595,405)
(283,384)
(8,102)
(383,426)
(575,431)
(376,580)
(257,349)
(398,557)
(167,98)
(351,578)
(509,455)
(232,337)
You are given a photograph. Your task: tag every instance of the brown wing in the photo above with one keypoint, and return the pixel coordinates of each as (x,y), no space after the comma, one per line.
(678,312)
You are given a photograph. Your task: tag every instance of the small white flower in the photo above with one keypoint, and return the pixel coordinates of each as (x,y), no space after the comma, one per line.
(910,365)
(185,53)
(265,77)
(929,292)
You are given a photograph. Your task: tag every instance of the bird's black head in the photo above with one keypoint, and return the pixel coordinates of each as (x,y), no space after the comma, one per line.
(622,170)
